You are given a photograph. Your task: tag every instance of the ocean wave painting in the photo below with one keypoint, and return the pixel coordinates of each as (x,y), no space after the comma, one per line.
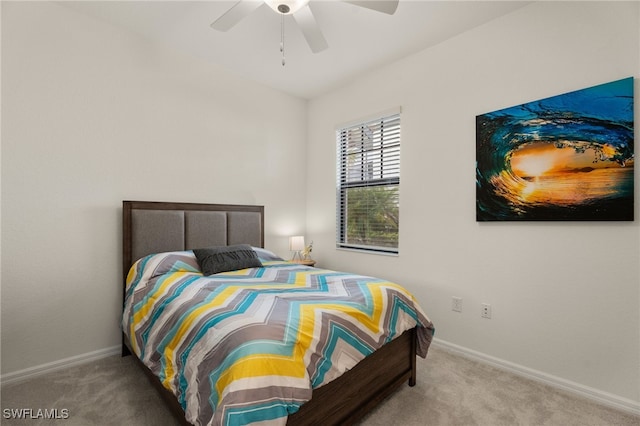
(567,157)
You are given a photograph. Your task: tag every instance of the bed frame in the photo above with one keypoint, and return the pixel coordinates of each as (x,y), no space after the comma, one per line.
(152,227)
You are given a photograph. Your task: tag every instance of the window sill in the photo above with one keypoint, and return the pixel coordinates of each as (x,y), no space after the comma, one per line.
(368,251)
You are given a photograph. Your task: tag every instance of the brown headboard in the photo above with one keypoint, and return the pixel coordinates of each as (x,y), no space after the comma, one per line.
(153,227)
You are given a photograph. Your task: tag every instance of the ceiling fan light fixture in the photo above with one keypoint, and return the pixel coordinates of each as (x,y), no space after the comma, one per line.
(286,7)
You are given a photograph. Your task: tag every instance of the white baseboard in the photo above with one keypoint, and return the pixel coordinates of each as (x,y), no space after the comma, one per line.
(29,373)
(604,398)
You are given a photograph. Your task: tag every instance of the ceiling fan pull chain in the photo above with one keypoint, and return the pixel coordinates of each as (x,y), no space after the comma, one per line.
(282,37)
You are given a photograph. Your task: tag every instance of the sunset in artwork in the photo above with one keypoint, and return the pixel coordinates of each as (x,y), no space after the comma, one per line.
(566,175)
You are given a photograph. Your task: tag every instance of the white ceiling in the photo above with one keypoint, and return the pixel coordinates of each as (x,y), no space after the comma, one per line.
(359,39)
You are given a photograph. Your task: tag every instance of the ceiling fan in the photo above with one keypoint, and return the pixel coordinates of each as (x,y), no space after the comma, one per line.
(300,11)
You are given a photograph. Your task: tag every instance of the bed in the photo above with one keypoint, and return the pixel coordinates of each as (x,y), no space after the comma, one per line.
(159,239)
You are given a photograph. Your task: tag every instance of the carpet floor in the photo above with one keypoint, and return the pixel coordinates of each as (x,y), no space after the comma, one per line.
(451,390)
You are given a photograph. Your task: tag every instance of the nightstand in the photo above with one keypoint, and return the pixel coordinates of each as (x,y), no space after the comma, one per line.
(309,262)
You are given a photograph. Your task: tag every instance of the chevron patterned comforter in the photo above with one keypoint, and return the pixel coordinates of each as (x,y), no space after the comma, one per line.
(250,345)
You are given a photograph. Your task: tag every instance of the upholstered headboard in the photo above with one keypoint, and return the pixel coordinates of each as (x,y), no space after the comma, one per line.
(154,227)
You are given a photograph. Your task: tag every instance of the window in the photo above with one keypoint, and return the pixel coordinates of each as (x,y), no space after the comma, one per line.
(368,185)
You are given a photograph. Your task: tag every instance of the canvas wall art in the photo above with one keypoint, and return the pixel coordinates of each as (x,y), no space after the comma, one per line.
(568,157)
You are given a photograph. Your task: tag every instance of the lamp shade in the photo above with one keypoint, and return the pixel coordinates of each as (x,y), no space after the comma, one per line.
(296,243)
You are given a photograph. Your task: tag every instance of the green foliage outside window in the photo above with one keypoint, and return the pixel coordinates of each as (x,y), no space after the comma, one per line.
(372,216)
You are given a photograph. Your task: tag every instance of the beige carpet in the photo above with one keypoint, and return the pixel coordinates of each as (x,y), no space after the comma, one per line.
(451,390)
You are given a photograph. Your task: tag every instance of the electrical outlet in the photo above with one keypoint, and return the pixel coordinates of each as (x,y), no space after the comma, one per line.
(456,304)
(486,311)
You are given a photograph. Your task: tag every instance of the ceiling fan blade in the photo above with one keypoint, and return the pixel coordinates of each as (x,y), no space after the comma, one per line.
(234,15)
(310,29)
(385,6)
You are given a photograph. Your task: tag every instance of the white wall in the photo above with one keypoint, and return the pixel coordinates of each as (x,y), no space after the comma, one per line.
(565,296)
(93,115)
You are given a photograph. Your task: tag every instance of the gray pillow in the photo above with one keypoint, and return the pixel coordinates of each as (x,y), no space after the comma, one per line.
(214,260)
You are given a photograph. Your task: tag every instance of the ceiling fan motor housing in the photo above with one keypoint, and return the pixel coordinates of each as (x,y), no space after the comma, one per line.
(286,7)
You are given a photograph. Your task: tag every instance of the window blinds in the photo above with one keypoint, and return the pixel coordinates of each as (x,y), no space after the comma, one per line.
(368,184)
